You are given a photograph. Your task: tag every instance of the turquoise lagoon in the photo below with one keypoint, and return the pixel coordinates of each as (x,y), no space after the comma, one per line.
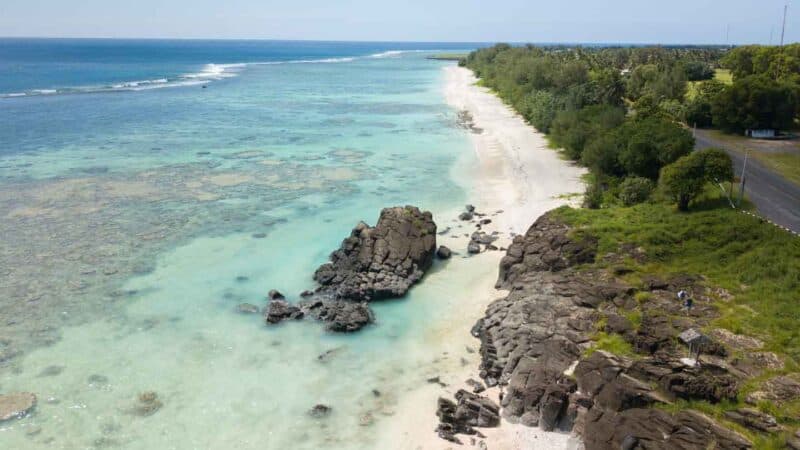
(135,221)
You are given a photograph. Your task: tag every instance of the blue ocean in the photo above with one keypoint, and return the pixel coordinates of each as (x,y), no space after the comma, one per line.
(149,187)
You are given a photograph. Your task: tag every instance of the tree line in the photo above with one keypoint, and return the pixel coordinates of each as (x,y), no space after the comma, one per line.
(621,111)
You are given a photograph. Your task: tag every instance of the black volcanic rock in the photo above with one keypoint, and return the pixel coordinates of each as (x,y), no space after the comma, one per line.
(534,342)
(279,310)
(384,261)
(340,315)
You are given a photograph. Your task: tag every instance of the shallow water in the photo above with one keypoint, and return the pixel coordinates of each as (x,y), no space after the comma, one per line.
(135,222)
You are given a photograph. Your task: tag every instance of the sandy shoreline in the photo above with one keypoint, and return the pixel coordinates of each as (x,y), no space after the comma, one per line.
(516,179)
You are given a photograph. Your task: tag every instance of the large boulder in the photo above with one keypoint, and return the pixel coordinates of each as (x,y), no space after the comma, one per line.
(384,261)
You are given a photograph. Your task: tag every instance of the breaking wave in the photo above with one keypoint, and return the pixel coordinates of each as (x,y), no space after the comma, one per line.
(209,73)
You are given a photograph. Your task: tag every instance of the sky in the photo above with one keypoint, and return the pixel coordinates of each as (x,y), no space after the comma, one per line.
(609,21)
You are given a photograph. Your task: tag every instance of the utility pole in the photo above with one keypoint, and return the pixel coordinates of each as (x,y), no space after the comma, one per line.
(728,35)
(743,178)
(783,28)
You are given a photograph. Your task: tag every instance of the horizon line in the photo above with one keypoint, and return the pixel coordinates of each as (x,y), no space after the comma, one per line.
(619,43)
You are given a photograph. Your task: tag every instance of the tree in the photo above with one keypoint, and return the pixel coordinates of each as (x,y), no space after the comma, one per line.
(684,179)
(698,71)
(698,109)
(572,129)
(650,144)
(756,102)
(635,190)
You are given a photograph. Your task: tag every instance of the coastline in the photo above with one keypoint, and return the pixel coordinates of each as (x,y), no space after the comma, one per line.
(516,179)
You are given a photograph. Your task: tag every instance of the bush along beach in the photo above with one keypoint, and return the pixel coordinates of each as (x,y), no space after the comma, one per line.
(657,316)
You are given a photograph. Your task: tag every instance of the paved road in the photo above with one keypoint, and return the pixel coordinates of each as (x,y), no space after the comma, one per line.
(774,197)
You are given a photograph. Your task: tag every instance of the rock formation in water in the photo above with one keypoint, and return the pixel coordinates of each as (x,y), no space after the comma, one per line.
(384,261)
(373,263)
(535,342)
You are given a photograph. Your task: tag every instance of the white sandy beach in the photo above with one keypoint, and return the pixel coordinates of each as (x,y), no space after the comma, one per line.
(516,173)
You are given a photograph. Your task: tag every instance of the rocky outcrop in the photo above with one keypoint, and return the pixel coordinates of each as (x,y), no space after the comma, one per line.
(469,411)
(640,428)
(535,342)
(384,261)
(373,263)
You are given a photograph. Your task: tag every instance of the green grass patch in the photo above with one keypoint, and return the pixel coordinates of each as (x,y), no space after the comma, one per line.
(612,343)
(786,164)
(724,76)
(756,262)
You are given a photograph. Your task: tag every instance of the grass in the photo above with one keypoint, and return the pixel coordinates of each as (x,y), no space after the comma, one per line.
(612,343)
(721,75)
(786,164)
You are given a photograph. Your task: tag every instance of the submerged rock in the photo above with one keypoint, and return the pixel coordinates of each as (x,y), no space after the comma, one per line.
(51,371)
(319,411)
(443,252)
(147,404)
(247,308)
(16,405)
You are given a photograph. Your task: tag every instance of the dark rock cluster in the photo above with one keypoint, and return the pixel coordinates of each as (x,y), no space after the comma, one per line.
(535,346)
(373,263)
(468,411)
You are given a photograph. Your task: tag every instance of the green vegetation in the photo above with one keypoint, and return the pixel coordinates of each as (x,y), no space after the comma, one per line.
(758,263)
(578,97)
(756,102)
(448,56)
(620,112)
(612,343)
(687,177)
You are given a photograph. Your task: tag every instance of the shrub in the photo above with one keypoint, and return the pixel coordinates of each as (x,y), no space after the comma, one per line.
(635,190)
(593,197)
